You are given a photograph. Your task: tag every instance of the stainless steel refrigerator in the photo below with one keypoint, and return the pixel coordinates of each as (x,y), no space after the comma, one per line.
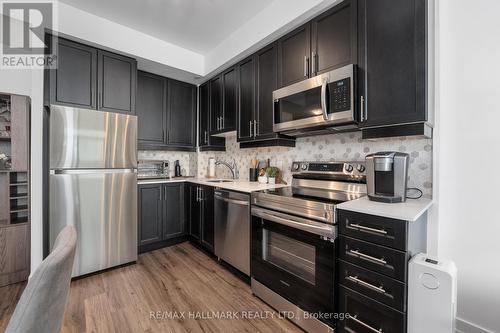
(93,185)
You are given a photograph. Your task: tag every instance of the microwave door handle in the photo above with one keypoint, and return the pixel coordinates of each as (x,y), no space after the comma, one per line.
(323,99)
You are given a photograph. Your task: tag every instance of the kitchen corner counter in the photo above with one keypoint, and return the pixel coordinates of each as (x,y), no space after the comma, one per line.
(410,210)
(234,185)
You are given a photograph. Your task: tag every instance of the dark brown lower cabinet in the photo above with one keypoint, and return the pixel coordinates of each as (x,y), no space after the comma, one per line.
(161,219)
(201,215)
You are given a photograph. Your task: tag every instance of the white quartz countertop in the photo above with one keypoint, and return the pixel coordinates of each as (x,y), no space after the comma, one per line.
(235,185)
(410,210)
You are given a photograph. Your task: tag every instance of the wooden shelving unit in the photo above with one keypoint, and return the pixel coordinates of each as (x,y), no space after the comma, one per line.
(15,192)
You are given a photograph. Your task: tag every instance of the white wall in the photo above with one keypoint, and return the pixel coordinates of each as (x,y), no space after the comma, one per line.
(469,148)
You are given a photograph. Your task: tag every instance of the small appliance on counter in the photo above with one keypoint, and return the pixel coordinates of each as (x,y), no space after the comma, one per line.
(386,176)
(177,169)
(153,169)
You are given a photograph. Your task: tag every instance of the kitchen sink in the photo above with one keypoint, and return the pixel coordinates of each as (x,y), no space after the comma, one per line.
(221,181)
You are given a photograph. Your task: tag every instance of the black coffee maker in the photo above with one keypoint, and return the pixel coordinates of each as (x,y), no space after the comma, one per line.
(386,176)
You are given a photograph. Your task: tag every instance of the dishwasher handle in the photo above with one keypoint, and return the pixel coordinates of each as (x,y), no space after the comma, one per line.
(233,201)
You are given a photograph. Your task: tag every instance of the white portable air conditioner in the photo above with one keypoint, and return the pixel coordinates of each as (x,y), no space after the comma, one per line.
(432,295)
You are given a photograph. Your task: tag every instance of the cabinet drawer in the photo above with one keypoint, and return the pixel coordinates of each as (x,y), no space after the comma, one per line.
(364,315)
(377,286)
(376,229)
(377,258)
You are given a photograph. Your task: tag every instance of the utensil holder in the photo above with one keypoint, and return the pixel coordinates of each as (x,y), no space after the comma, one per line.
(253,174)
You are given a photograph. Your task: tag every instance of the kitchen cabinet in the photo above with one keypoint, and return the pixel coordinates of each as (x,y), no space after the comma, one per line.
(150,213)
(87,77)
(228,122)
(294,52)
(392,59)
(334,38)
(166,112)
(74,82)
(373,255)
(257,79)
(181,112)
(201,219)
(117,80)
(151,105)
(161,212)
(205,140)
(215,104)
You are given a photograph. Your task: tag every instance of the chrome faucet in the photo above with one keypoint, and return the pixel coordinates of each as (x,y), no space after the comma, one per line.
(232,167)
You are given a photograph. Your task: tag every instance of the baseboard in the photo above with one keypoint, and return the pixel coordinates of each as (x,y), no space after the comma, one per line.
(463,326)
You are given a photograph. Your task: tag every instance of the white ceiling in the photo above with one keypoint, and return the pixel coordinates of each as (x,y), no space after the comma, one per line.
(196,25)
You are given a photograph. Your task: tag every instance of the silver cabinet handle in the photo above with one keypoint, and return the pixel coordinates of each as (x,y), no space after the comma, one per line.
(362,107)
(250,128)
(165,193)
(361,255)
(323,99)
(306,66)
(366,284)
(363,228)
(355,318)
(197,193)
(206,137)
(313,61)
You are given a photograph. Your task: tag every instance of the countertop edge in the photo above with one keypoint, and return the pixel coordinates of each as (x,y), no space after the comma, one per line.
(238,185)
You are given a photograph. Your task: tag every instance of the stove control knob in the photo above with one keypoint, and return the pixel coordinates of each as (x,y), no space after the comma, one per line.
(348,167)
(304,166)
(360,168)
(295,166)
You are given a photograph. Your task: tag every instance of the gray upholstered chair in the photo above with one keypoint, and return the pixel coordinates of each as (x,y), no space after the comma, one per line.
(41,307)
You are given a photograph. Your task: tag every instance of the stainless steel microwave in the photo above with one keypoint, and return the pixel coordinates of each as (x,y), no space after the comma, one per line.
(322,101)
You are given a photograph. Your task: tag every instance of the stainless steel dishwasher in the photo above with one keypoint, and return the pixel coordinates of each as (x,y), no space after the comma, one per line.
(232,228)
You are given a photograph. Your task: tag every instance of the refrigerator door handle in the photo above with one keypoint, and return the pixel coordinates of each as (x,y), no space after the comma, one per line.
(89,171)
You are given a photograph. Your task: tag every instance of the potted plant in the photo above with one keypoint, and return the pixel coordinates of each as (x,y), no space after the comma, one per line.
(272,173)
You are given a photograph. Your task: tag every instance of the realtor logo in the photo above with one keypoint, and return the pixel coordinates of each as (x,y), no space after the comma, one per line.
(23,34)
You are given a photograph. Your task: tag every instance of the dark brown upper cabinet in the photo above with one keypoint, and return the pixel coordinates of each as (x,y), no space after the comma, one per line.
(392,65)
(229,102)
(87,77)
(181,112)
(166,113)
(216,114)
(151,106)
(205,140)
(246,99)
(294,55)
(74,82)
(334,38)
(117,79)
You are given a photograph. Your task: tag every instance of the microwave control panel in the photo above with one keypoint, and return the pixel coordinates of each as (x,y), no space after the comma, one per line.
(340,95)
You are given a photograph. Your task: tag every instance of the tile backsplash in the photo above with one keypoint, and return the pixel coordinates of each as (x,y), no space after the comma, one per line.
(334,147)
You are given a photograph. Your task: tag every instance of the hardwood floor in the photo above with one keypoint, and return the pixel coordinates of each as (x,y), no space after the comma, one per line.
(154,295)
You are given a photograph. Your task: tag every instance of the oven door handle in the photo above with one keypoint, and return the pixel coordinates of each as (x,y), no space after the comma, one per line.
(313,227)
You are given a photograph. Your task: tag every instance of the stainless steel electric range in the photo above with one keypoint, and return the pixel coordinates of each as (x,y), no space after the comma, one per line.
(294,237)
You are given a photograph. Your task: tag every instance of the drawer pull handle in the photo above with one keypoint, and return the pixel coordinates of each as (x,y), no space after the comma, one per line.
(355,318)
(361,255)
(366,284)
(363,228)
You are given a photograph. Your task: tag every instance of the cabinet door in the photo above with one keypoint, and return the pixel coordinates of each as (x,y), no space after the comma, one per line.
(266,68)
(392,41)
(173,217)
(334,38)
(181,114)
(294,51)
(229,100)
(151,110)
(194,212)
(204,114)
(215,104)
(74,82)
(117,76)
(246,98)
(150,213)
(207,229)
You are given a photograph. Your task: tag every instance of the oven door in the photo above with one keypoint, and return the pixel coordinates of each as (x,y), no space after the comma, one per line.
(295,258)
(323,100)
